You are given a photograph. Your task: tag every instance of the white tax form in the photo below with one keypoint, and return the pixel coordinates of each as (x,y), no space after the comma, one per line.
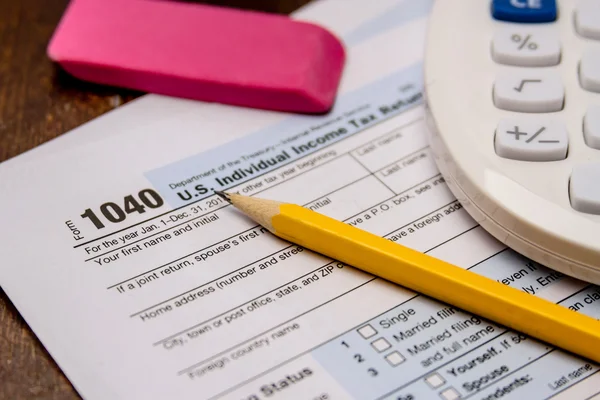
(141,283)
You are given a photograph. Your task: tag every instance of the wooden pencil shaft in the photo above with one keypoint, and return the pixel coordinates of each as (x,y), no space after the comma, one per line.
(471,292)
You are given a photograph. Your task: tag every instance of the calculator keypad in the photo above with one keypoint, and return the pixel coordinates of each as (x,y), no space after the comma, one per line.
(534,90)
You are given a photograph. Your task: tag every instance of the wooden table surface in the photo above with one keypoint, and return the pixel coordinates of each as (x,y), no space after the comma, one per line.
(39,102)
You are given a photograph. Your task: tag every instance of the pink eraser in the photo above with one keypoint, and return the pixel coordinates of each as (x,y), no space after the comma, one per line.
(201,52)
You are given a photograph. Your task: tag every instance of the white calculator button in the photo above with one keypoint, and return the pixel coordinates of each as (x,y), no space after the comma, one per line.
(539,91)
(591,127)
(589,68)
(531,140)
(526,48)
(587,19)
(584,188)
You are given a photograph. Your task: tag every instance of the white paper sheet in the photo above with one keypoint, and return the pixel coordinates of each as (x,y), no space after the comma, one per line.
(142,284)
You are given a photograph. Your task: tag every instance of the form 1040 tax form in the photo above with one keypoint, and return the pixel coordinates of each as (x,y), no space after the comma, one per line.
(141,283)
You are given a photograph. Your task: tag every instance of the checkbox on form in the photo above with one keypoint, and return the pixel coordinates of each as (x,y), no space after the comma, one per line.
(381,344)
(395,358)
(450,394)
(435,380)
(367,331)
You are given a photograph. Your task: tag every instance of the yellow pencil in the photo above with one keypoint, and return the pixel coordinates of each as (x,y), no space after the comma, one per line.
(461,288)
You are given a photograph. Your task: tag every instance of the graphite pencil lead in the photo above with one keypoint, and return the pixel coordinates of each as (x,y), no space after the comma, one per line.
(223,195)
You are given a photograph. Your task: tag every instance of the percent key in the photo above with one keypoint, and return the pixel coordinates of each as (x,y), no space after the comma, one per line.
(531,48)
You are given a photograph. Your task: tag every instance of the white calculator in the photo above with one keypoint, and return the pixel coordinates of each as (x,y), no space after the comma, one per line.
(513,100)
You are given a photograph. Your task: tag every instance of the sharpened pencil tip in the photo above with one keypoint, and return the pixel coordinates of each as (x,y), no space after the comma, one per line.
(223,195)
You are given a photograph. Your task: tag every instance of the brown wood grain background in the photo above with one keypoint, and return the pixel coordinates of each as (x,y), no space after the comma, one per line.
(39,102)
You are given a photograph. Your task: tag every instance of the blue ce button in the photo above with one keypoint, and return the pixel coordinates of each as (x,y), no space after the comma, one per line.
(524,10)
